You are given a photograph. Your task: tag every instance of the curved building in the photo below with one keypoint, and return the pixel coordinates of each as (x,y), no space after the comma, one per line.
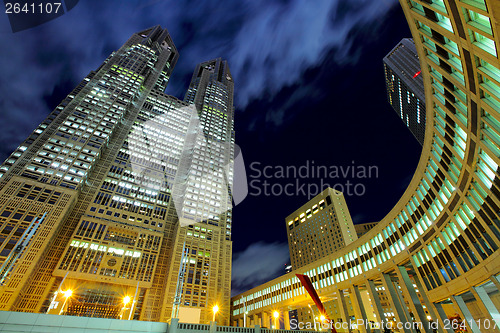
(435,255)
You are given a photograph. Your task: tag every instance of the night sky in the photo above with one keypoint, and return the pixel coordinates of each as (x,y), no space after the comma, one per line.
(309,90)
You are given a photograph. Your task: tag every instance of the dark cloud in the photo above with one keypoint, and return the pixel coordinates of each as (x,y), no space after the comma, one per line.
(279,40)
(359,218)
(269,45)
(258,263)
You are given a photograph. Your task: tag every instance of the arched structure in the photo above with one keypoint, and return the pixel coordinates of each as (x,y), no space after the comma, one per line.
(437,250)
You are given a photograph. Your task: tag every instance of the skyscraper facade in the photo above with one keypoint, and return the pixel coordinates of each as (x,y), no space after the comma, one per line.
(320,227)
(363,228)
(405,86)
(118,205)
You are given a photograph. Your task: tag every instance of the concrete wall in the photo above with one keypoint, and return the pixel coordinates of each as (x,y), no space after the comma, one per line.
(36,322)
(16,322)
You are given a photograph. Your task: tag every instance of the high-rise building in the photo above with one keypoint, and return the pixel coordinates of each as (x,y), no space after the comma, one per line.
(405,86)
(320,227)
(118,205)
(207,199)
(363,228)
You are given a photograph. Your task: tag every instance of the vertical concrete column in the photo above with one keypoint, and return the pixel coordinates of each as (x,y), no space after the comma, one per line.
(441,315)
(484,301)
(257,328)
(344,313)
(435,310)
(265,320)
(359,309)
(495,280)
(402,301)
(471,323)
(172,328)
(286,319)
(379,311)
(213,327)
(413,299)
(395,301)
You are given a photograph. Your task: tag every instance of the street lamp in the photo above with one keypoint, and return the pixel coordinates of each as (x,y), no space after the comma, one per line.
(312,311)
(126,300)
(322,320)
(215,309)
(67,294)
(276,315)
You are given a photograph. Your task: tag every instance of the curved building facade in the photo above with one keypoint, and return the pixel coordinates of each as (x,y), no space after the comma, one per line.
(435,255)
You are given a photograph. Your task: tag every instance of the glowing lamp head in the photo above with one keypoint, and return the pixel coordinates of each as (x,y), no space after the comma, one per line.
(126,300)
(68,293)
(322,318)
(215,309)
(276,314)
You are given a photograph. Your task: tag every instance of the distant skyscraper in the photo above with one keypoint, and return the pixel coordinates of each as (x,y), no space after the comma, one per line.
(118,205)
(405,86)
(320,227)
(363,228)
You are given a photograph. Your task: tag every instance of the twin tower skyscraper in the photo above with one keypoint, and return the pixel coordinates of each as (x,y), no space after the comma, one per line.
(118,205)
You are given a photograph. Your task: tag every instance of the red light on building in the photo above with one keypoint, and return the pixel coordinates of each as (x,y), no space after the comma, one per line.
(417,74)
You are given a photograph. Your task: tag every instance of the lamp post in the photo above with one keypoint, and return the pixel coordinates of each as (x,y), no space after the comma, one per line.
(312,311)
(215,309)
(276,315)
(322,320)
(67,294)
(245,314)
(126,300)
